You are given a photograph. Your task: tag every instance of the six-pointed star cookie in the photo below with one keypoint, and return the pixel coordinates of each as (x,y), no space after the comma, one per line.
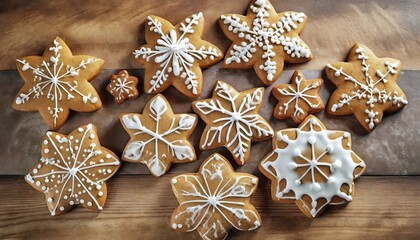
(174,55)
(56,82)
(312,166)
(264,39)
(123,86)
(366,87)
(73,169)
(298,99)
(158,137)
(232,120)
(215,200)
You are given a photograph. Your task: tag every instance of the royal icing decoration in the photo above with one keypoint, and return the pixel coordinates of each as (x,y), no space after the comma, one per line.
(298,99)
(311,161)
(158,137)
(215,200)
(366,87)
(73,170)
(56,82)
(123,86)
(265,39)
(174,55)
(232,120)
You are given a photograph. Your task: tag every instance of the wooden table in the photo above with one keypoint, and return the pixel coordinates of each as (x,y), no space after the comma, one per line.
(139,205)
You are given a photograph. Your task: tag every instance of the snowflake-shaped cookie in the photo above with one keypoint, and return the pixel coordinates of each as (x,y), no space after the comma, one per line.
(158,137)
(123,86)
(298,99)
(174,55)
(366,87)
(215,200)
(312,166)
(73,170)
(56,82)
(264,39)
(232,120)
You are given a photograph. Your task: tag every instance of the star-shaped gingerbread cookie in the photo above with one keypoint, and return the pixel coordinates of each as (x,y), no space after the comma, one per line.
(158,137)
(312,166)
(298,99)
(174,55)
(264,40)
(123,86)
(366,87)
(56,82)
(215,200)
(232,120)
(73,169)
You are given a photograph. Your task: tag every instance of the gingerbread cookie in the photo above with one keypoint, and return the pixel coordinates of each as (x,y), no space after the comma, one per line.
(215,200)
(264,40)
(56,82)
(73,169)
(174,55)
(232,120)
(366,87)
(123,86)
(298,99)
(158,137)
(312,166)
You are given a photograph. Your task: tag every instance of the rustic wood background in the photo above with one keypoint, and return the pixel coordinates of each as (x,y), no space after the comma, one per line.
(140,205)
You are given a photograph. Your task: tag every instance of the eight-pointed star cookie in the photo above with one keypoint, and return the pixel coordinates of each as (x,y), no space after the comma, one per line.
(312,166)
(366,87)
(56,82)
(215,200)
(123,86)
(174,55)
(73,169)
(232,120)
(264,40)
(298,99)
(158,137)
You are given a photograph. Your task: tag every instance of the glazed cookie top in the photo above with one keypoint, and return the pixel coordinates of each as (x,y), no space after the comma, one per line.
(298,99)
(73,169)
(312,166)
(123,86)
(56,82)
(173,55)
(215,200)
(366,87)
(264,40)
(158,137)
(232,120)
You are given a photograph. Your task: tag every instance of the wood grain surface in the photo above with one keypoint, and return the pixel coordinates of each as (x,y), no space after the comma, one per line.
(140,207)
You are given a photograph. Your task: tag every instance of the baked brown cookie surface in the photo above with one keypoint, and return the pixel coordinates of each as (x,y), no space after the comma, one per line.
(264,40)
(56,82)
(174,55)
(123,86)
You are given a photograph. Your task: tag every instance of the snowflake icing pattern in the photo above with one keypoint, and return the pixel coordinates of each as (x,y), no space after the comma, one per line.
(123,86)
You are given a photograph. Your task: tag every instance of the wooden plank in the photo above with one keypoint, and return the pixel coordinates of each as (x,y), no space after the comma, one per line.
(141,207)
(112,29)
(392,149)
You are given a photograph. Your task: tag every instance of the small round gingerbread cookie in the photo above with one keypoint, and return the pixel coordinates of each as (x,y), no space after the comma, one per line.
(123,86)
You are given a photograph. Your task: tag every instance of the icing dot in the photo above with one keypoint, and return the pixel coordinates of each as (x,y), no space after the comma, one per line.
(313,212)
(82,201)
(337,164)
(297,182)
(100,193)
(80,129)
(346,135)
(254,181)
(108,156)
(71,203)
(257,223)
(329,148)
(311,140)
(296,152)
(179,225)
(316,187)
(89,204)
(174,226)
(174,181)
(35,171)
(98,187)
(50,200)
(292,165)
(38,183)
(46,150)
(45,142)
(61,208)
(92,136)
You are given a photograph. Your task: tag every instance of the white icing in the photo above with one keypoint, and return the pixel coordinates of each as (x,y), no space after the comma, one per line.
(368,89)
(175,54)
(243,119)
(121,86)
(265,36)
(180,149)
(281,164)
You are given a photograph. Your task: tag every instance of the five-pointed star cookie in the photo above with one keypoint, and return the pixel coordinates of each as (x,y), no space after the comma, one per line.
(158,137)
(73,169)
(298,99)
(215,200)
(366,87)
(264,40)
(232,120)
(56,82)
(174,55)
(312,166)
(123,86)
